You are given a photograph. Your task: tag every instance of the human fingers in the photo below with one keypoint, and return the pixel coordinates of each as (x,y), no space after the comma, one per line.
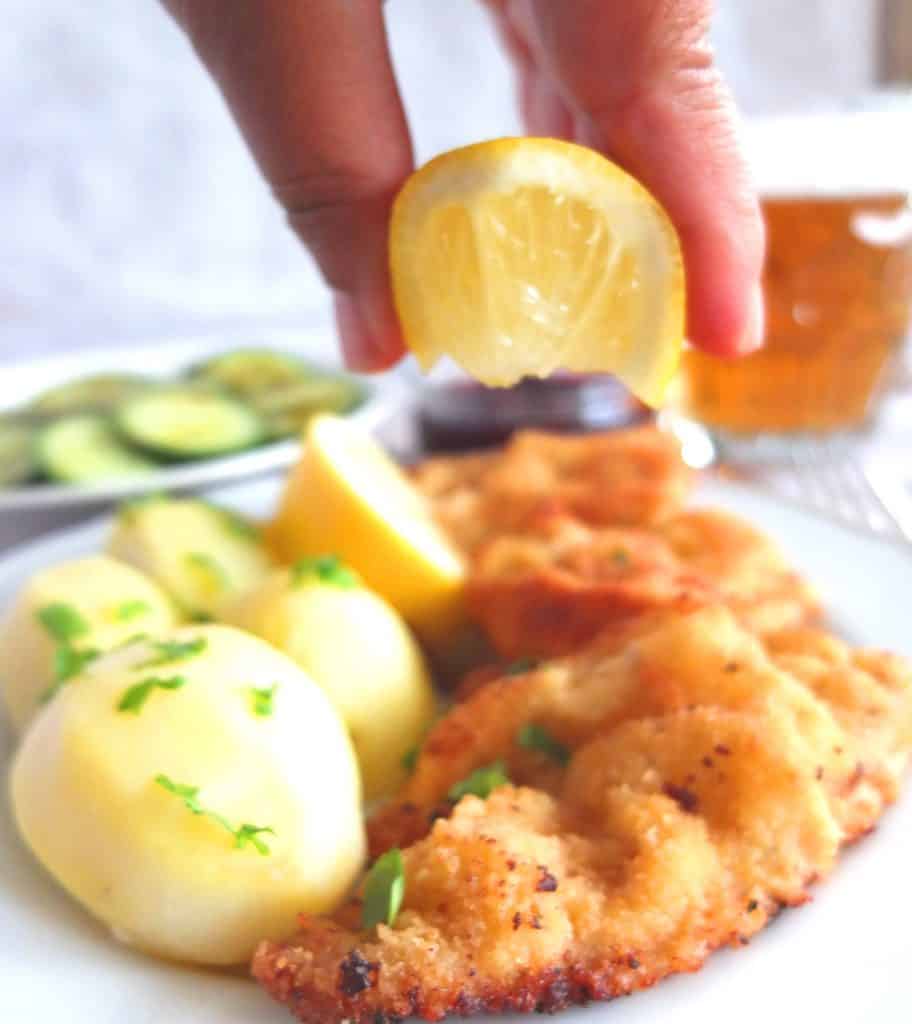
(311,85)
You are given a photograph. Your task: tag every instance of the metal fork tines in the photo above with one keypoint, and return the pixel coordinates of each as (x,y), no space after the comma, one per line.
(839,484)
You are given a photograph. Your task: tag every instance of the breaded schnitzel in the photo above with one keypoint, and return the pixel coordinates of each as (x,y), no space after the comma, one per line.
(552,588)
(694,781)
(628,477)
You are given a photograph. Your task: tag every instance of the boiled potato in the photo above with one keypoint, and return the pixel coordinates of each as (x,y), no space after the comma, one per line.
(194,793)
(358,649)
(65,613)
(203,555)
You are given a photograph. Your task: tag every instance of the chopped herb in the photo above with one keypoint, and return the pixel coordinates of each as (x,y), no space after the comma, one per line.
(250,834)
(535,737)
(201,617)
(63,622)
(243,834)
(521,666)
(481,783)
(410,759)
(326,569)
(136,696)
(261,699)
(233,521)
(68,662)
(214,573)
(384,889)
(187,793)
(170,651)
(128,610)
(620,556)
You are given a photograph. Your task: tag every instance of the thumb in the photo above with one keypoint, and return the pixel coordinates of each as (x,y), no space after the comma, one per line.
(641,82)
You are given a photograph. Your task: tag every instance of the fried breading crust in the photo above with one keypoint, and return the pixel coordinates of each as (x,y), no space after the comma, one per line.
(551,589)
(628,477)
(712,778)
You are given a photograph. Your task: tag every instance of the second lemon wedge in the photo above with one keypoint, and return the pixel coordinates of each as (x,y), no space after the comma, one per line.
(519,257)
(346,497)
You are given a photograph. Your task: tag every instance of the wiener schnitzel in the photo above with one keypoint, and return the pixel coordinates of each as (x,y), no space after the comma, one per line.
(628,477)
(687,781)
(552,588)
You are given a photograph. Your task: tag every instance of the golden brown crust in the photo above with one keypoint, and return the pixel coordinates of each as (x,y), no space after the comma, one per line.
(628,477)
(712,778)
(551,589)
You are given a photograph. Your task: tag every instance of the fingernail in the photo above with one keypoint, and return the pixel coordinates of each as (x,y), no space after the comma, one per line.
(753,337)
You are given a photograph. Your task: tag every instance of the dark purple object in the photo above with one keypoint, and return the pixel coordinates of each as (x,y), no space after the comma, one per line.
(460,415)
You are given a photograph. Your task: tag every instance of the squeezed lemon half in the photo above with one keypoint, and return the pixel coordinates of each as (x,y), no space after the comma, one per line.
(518,257)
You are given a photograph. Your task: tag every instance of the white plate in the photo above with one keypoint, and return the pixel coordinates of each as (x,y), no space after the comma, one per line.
(22,382)
(843,959)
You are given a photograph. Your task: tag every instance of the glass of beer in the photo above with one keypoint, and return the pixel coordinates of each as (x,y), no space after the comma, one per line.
(835,191)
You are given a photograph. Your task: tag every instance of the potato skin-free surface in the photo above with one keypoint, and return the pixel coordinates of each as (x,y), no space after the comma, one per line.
(164,879)
(202,555)
(113,599)
(355,645)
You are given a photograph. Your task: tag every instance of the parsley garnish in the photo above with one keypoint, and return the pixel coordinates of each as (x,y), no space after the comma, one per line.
(63,622)
(261,699)
(215,575)
(620,556)
(128,610)
(170,651)
(481,783)
(68,662)
(410,759)
(535,737)
(326,569)
(243,834)
(384,889)
(135,696)
(250,834)
(521,666)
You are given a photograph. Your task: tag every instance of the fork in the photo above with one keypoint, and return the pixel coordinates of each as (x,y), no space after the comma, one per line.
(867,495)
(873,494)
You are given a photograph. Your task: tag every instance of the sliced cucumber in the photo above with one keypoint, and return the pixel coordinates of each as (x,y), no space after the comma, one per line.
(98,393)
(252,371)
(83,448)
(189,423)
(17,451)
(287,410)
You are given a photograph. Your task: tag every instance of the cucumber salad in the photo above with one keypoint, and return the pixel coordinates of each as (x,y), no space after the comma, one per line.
(124,424)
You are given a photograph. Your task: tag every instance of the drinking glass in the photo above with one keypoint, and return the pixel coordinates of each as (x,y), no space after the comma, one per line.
(835,192)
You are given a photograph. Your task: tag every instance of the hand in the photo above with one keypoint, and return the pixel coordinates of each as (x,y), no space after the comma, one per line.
(311,85)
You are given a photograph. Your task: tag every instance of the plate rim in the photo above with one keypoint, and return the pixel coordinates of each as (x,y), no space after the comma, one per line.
(383,393)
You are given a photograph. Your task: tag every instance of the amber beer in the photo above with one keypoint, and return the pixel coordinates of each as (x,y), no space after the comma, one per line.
(838,289)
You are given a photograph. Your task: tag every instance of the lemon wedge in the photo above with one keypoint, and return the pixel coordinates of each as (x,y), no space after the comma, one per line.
(346,497)
(518,257)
